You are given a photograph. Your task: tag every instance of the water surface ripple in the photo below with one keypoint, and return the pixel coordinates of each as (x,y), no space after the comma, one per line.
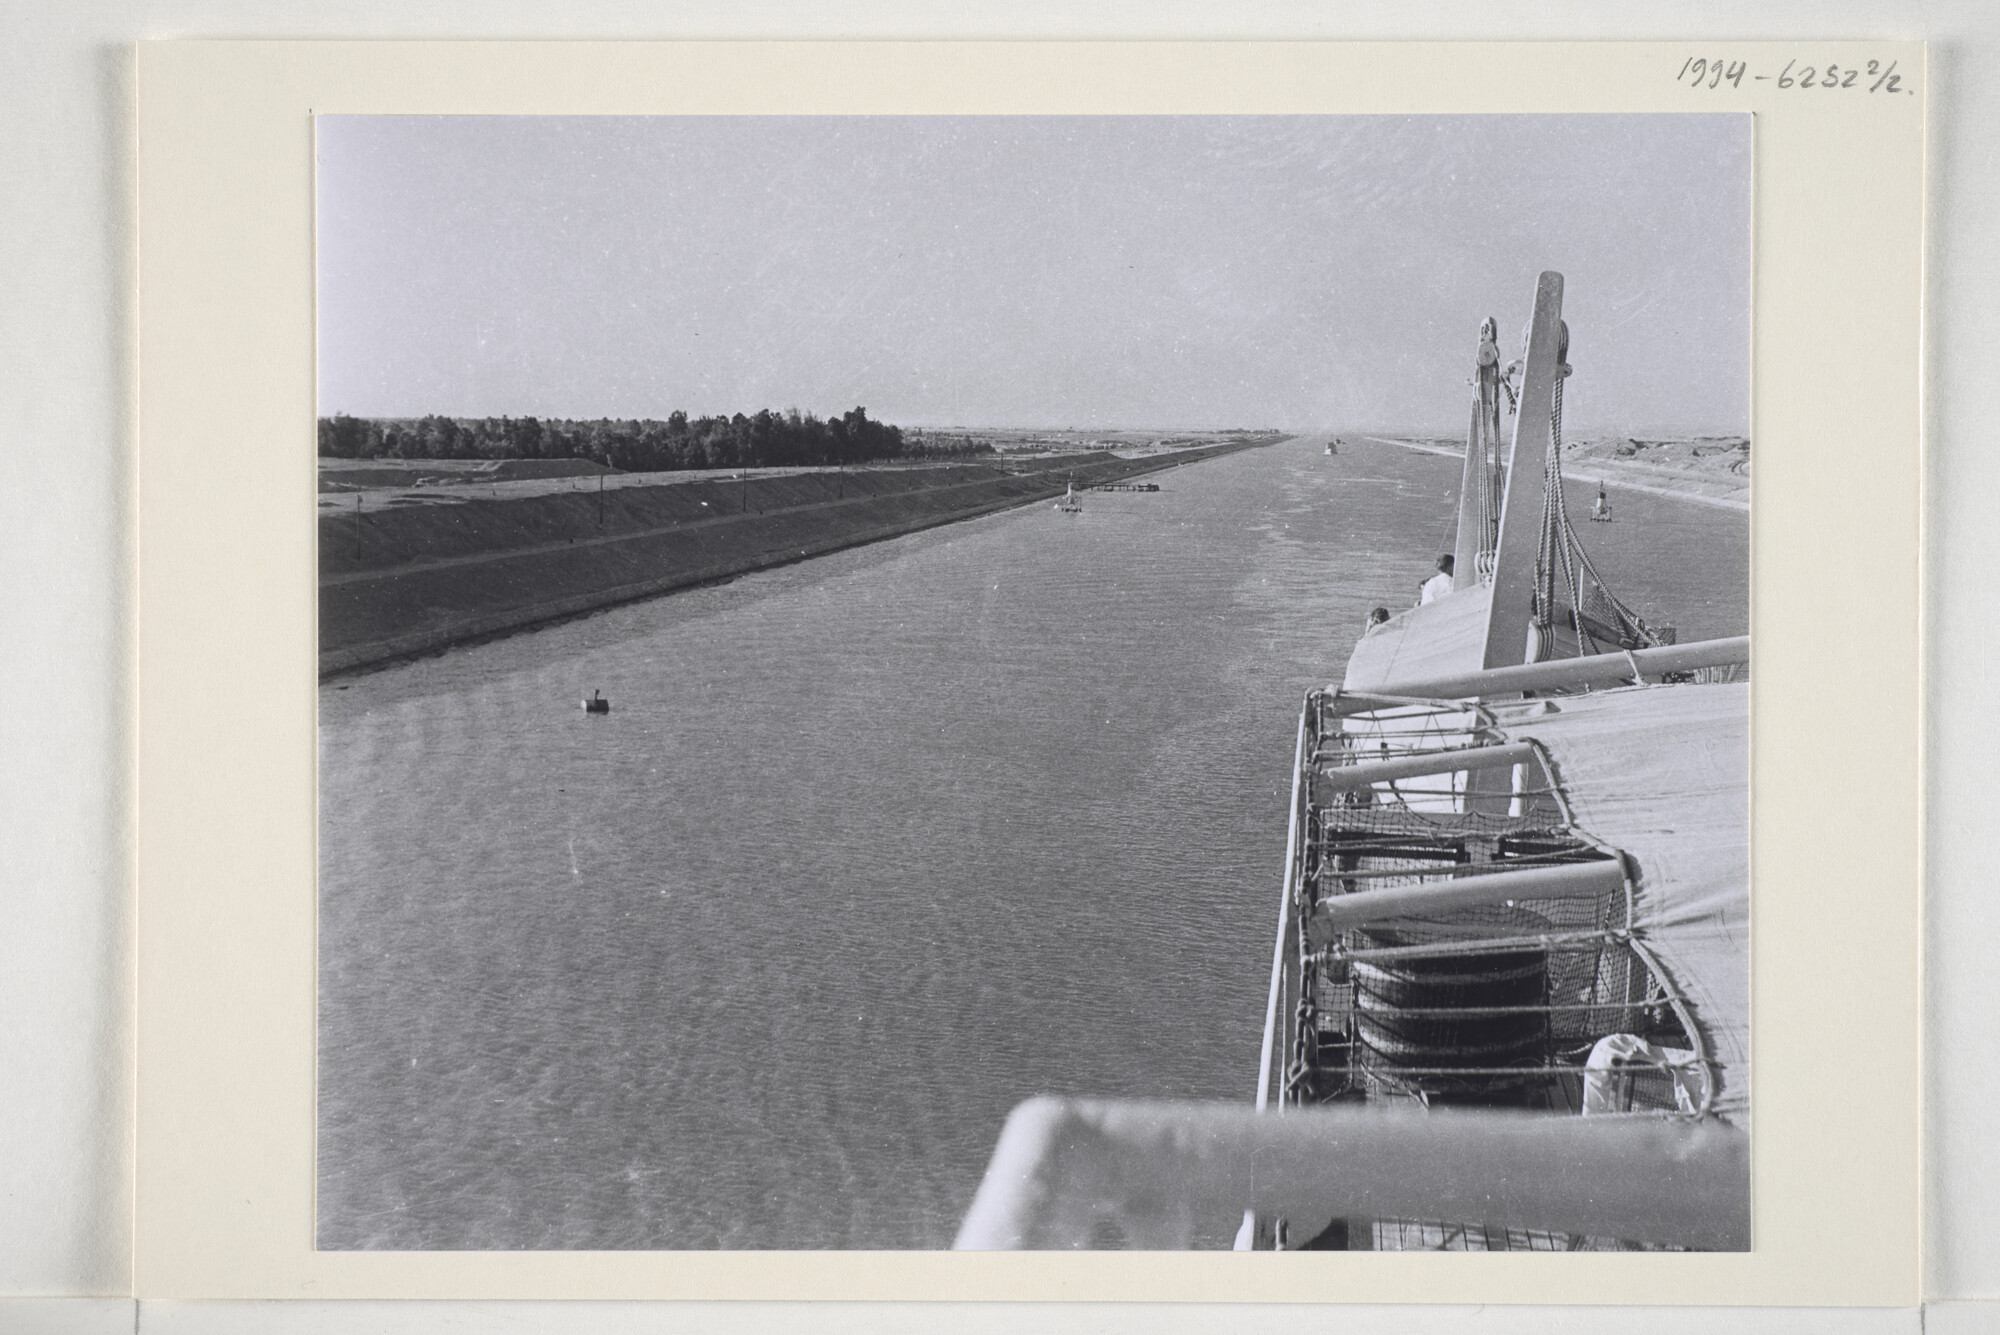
(871,848)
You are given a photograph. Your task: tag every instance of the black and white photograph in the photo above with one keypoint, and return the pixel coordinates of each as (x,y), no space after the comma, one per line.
(1033,682)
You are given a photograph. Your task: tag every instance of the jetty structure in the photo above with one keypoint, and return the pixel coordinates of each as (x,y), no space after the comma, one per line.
(1508,1005)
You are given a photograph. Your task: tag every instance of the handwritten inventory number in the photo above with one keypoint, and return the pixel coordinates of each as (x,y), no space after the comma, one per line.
(1701,73)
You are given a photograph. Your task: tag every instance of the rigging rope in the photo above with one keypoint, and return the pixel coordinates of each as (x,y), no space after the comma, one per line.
(1488,380)
(1600,621)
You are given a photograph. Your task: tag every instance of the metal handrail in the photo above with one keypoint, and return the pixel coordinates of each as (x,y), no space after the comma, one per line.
(1575,880)
(1572,673)
(1067,1171)
(1364,773)
(1271,1004)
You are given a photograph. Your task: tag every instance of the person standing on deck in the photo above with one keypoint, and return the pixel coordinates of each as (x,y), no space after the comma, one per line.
(1438,585)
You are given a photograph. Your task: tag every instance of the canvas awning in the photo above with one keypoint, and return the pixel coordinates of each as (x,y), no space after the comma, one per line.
(1663,773)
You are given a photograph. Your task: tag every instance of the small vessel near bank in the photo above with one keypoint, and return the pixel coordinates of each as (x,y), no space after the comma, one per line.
(1071,503)
(1508,997)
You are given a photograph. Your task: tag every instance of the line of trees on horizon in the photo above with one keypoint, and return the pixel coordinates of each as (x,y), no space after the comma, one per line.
(766,440)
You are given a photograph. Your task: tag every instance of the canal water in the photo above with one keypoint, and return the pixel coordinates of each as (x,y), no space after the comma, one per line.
(870,848)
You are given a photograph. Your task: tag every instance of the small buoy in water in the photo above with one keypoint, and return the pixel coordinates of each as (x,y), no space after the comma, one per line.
(596,704)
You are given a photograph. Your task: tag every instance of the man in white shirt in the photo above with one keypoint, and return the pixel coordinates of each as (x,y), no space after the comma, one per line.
(1438,585)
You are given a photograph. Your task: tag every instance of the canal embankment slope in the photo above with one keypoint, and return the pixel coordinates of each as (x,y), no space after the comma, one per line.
(1707,470)
(408,571)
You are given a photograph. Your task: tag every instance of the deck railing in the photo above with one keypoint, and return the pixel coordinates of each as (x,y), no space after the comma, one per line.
(1095,1173)
(1572,674)
(1273,1004)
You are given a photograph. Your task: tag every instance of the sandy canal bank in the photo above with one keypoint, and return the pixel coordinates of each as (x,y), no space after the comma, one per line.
(405,572)
(1691,469)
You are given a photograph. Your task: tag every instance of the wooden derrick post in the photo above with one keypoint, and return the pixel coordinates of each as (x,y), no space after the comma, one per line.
(1512,612)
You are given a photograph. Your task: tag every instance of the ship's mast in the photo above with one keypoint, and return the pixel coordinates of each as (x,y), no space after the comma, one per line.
(1465,553)
(1479,492)
(1511,615)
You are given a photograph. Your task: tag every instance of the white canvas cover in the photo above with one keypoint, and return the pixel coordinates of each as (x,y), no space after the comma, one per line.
(1663,772)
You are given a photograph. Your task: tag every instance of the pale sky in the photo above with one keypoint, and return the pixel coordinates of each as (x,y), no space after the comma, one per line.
(1285,271)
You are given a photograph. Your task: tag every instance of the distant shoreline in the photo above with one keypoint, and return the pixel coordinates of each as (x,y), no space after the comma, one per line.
(401,580)
(1614,473)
